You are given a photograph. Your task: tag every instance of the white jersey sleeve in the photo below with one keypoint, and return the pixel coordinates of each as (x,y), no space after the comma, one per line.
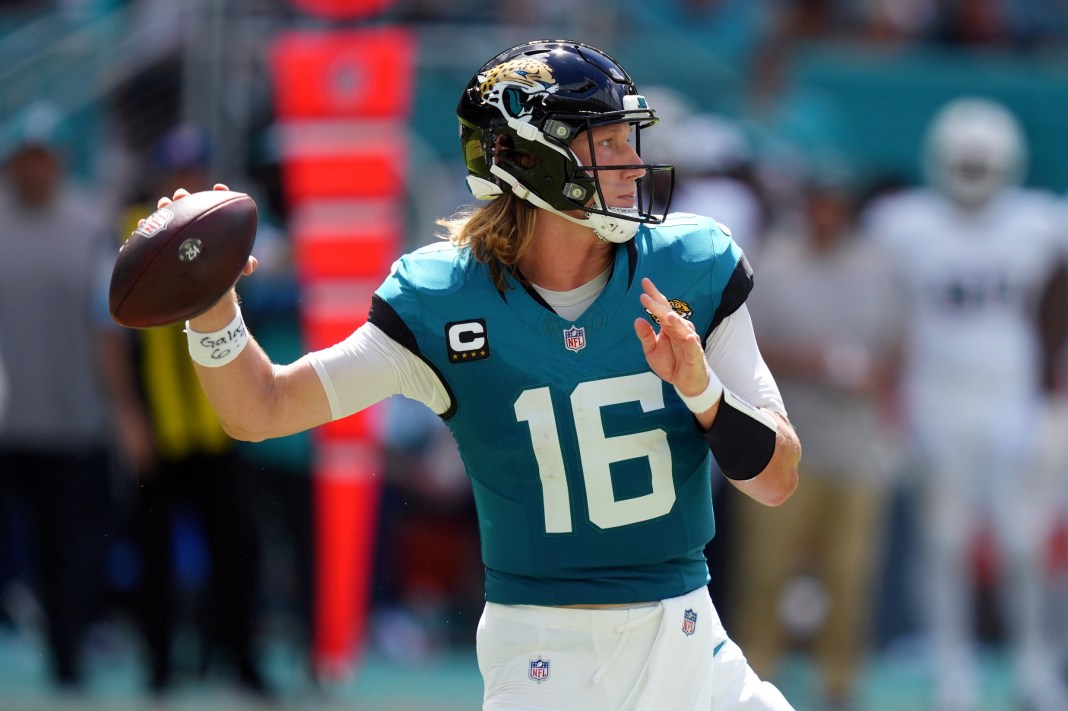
(368,367)
(733,354)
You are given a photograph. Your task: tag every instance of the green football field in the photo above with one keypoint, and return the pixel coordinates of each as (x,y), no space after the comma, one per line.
(897,681)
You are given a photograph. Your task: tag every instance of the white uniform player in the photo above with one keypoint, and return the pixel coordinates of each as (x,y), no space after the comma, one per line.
(976,253)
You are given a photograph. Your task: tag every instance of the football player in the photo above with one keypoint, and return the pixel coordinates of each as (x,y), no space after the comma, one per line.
(590,357)
(978,253)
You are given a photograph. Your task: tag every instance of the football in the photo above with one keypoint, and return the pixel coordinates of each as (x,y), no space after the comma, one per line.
(182,258)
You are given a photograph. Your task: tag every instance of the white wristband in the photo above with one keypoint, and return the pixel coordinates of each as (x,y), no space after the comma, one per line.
(219,348)
(703,401)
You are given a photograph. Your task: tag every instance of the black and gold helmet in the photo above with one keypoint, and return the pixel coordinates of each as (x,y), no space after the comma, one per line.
(521,111)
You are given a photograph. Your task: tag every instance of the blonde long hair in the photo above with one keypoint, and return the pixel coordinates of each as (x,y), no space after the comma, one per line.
(497,234)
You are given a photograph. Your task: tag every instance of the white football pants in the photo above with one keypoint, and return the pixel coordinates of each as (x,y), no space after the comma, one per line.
(984,473)
(673,654)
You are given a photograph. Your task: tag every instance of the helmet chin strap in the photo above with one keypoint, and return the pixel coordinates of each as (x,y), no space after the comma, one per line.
(606,227)
(613,229)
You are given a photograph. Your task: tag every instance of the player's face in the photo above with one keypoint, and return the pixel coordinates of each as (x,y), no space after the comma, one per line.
(612,145)
(972,180)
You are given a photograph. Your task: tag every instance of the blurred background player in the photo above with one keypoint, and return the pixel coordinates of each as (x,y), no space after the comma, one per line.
(829,321)
(195,490)
(978,254)
(70,389)
(715,177)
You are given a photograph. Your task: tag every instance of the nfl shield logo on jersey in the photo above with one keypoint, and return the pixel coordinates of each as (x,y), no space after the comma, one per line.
(575,338)
(539,669)
(689,622)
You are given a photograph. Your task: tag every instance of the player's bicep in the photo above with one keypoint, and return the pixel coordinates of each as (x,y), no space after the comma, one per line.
(300,400)
(733,354)
(368,367)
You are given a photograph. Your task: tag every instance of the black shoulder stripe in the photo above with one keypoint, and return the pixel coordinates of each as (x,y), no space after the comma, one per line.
(386,318)
(734,293)
(389,321)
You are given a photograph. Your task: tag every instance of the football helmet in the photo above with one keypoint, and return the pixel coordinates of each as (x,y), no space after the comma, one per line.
(975,148)
(519,115)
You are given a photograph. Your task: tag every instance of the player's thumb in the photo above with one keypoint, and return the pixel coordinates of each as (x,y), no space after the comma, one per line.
(645,334)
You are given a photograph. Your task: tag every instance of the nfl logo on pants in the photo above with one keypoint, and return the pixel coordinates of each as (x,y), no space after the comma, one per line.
(539,669)
(689,622)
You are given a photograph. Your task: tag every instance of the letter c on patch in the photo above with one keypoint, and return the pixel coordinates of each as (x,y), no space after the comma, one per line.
(467,341)
(467,336)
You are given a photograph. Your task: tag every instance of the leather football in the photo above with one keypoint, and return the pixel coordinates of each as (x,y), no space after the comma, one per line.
(182,258)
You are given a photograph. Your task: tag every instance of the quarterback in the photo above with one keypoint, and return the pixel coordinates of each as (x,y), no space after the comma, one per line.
(590,356)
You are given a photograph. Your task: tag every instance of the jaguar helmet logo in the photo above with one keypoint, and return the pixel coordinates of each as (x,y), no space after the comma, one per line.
(510,86)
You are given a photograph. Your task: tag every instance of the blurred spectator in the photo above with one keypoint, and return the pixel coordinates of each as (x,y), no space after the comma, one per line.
(428,591)
(979,22)
(195,477)
(715,178)
(727,33)
(282,493)
(828,317)
(789,123)
(979,254)
(70,385)
(895,22)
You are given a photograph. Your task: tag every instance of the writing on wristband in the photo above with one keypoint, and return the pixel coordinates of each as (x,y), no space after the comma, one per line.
(218,348)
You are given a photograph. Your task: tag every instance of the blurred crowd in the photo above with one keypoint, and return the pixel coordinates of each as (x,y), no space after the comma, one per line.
(916,326)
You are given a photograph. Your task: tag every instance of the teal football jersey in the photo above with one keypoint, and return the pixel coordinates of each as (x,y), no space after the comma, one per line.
(590,476)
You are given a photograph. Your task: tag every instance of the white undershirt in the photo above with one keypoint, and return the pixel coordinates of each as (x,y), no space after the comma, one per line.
(572,304)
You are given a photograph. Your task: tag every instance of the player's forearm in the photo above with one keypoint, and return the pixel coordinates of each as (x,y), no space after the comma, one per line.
(240,392)
(756,448)
(778,480)
(254,398)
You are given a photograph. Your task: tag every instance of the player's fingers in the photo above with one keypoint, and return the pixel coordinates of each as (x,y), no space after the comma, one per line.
(679,325)
(163,202)
(657,309)
(651,304)
(651,290)
(219,186)
(180,193)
